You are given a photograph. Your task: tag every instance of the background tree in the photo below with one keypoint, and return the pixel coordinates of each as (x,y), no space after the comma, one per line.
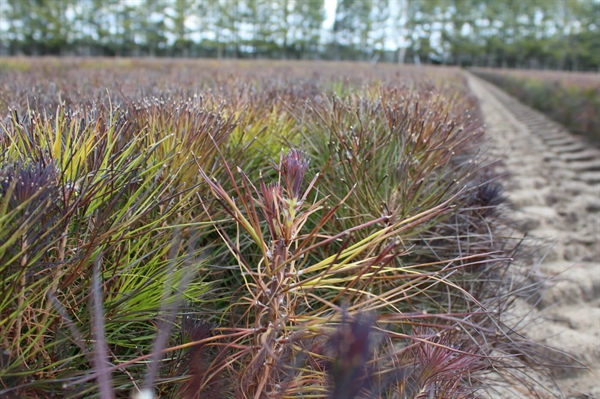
(549,34)
(306,23)
(351,29)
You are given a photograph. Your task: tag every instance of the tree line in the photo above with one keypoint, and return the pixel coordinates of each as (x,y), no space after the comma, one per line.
(551,34)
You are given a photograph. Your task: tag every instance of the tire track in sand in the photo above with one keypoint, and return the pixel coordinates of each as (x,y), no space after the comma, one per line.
(553,185)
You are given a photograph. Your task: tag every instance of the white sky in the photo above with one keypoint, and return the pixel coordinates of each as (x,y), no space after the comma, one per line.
(330,16)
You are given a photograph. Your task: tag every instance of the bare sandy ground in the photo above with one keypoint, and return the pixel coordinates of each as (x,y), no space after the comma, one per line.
(553,184)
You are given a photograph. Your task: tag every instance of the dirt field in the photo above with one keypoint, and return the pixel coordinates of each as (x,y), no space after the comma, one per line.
(553,184)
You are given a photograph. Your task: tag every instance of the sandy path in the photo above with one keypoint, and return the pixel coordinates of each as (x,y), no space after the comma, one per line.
(553,185)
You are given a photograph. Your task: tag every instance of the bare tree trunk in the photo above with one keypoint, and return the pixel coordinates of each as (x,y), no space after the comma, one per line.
(403,19)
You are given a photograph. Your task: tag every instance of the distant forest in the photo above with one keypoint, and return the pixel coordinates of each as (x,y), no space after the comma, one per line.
(548,34)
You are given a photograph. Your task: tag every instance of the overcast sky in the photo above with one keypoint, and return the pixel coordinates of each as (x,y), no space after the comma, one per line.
(330,9)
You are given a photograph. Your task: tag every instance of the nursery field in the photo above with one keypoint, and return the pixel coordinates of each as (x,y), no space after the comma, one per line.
(204,229)
(570,98)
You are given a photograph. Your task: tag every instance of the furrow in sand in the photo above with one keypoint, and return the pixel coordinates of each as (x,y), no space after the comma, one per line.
(582,155)
(553,184)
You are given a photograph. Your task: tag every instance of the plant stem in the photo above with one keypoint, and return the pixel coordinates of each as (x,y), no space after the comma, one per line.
(23,283)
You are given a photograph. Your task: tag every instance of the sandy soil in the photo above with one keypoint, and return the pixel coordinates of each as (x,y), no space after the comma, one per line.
(553,184)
